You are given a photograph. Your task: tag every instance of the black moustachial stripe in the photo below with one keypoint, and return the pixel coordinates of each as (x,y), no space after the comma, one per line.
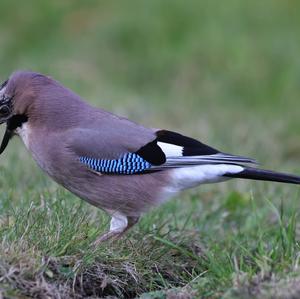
(16,121)
(13,123)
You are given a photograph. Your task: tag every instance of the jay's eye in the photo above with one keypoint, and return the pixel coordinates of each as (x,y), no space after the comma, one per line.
(4,110)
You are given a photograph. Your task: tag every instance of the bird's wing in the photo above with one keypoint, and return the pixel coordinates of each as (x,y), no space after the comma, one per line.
(138,150)
(113,147)
(183,151)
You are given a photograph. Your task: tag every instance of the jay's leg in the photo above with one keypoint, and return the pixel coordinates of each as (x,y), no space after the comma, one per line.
(119,224)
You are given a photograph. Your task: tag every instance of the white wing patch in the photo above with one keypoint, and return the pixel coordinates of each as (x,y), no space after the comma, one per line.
(170,150)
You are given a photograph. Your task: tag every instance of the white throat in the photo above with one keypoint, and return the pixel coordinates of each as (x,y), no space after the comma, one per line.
(24,132)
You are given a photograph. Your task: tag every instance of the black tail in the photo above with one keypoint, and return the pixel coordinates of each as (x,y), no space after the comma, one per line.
(265,175)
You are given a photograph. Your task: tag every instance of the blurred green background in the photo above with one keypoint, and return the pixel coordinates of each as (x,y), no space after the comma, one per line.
(227,73)
(217,71)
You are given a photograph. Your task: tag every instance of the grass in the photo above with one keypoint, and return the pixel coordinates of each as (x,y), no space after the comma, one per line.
(226,74)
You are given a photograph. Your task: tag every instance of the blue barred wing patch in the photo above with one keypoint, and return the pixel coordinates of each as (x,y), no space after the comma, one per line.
(130,163)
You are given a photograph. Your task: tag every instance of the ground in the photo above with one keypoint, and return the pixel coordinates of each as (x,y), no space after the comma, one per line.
(225,74)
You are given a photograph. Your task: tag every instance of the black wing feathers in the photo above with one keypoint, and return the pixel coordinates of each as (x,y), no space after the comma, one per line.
(152,153)
(191,147)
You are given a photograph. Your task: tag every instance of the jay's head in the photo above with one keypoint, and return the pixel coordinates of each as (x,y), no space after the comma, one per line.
(18,94)
(17,99)
(35,98)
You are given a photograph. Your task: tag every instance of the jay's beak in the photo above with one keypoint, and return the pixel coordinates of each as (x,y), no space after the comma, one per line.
(7,135)
(5,115)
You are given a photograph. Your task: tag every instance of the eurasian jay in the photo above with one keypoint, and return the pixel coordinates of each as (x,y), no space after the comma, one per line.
(109,161)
